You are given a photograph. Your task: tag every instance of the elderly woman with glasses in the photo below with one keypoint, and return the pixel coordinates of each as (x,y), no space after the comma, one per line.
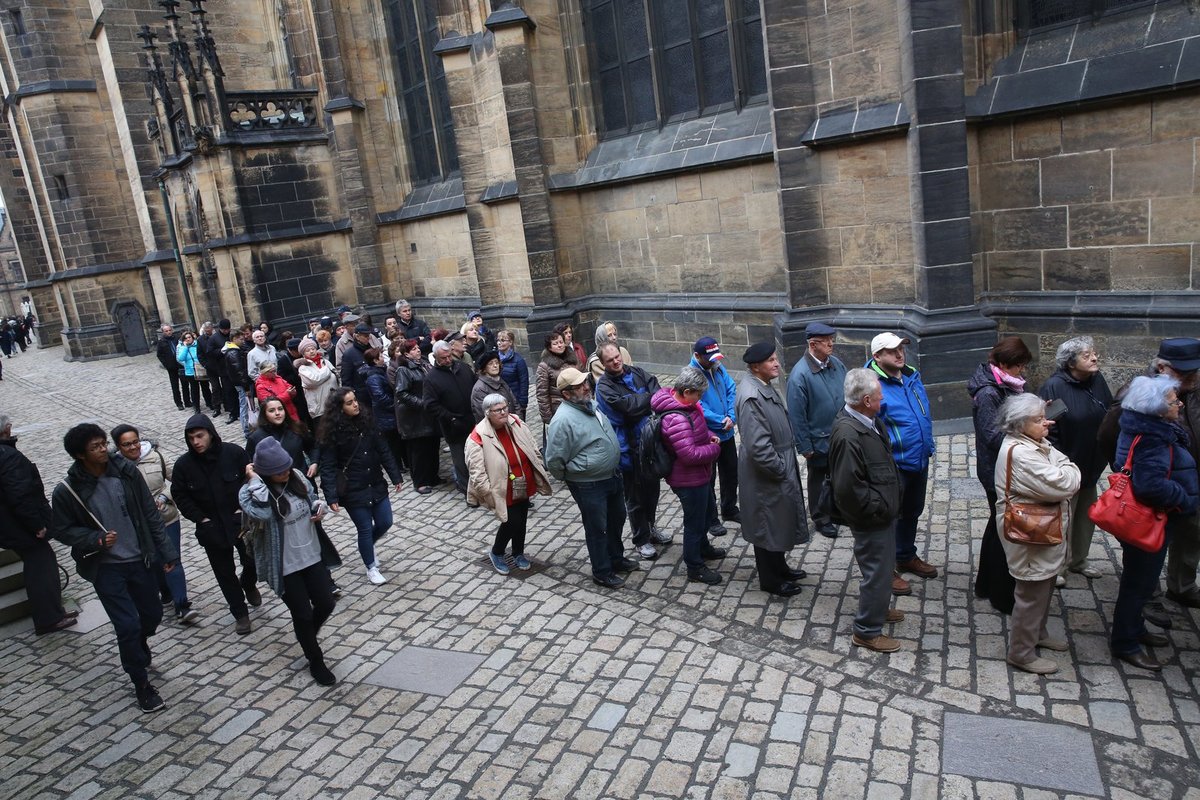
(504,467)
(1029,470)
(1163,475)
(1079,384)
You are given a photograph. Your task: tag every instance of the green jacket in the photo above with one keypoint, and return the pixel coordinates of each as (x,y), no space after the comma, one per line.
(72,524)
(581,444)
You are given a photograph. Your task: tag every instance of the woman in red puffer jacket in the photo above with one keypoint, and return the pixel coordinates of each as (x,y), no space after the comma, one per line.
(687,436)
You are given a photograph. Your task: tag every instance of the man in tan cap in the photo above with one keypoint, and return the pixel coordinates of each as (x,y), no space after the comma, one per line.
(582,449)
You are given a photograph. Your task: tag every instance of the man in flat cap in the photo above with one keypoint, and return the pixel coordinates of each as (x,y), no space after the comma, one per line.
(352,357)
(582,449)
(719,403)
(907,419)
(814,392)
(772,498)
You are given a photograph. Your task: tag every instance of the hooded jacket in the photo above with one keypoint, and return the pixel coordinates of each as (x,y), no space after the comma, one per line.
(545,387)
(319,382)
(986,397)
(373,379)
(906,417)
(688,437)
(73,524)
(270,384)
(205,486)
(234,361)
(625,400)
(157,475)
(359,455)
(23,507)
(1164,472)
(515,373)
(719,399)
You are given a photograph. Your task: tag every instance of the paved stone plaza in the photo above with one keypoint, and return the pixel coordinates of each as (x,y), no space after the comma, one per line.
(457,682)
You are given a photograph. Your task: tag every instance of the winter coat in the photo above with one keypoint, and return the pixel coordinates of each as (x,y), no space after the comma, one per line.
(545,385)
(318,381)
(208,347)
(488,468)
(302,449)
(576,350)
(719,399)
(351,360)
(769,489)
(477,349)
(267,540)
(986,398)
(73,524)
(157,475)
(447,393)
(906,417)
(862,473)
(268,385)
(814,398)
(688,437)
(205,486)
(515,373)
(1163,447)
(485,385)
(234,361)
(416,329)
(166,352)
(413,420)
(186,358)
(581,444)
(625,400)
(596,368)
(1040,474)
(23,507)
(360,455)
(374,380)
(1074,433)
(257,356)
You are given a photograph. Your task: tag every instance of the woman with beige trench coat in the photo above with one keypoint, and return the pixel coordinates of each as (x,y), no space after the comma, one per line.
(1039,474)
(769,490)
(504,468)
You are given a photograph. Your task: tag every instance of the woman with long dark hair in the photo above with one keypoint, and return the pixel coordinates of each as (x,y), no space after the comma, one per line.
(373,375)
(353,459)
(413,420)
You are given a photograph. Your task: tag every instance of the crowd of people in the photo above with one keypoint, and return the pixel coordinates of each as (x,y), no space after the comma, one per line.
(16,334)
(333,417)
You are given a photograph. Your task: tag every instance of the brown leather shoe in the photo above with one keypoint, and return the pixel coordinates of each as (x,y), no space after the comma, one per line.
(917,566)
(895,615)
(900,586)
(880,644)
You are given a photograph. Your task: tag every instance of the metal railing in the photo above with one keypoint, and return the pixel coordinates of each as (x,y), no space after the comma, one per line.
(270,110)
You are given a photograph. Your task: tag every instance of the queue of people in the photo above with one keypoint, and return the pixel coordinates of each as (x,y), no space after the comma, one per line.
(355,415)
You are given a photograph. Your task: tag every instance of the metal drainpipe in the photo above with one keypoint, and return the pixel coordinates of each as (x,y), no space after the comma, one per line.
(187,294)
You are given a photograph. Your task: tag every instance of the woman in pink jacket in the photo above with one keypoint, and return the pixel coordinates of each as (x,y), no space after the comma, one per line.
(686,435)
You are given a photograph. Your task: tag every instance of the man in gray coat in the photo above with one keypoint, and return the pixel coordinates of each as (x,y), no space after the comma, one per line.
(814,395)
(769,490)
(866,494)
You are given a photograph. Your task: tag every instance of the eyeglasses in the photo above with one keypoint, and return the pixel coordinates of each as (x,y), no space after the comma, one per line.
(132,443)
(499,410)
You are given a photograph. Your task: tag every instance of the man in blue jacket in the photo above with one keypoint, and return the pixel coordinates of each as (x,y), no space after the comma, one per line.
(907,419)
(719,403)
(814,398)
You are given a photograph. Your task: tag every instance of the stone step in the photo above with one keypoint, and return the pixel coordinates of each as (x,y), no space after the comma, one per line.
(13,606)
(12,578)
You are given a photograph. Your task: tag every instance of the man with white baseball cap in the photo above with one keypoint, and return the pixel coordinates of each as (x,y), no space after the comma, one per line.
(907,419)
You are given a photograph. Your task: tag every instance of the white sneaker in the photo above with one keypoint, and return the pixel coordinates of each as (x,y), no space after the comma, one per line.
(647,551)
(374,576)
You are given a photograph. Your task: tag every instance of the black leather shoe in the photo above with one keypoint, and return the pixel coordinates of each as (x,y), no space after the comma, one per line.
(608,581)
(797,574)
(735,517)
(828,530)
(704,575)
(1141,660)
(713,553)
(718,530)
(626,565)
(785,589)
(1157,615)
(1185,599)
(1153,639)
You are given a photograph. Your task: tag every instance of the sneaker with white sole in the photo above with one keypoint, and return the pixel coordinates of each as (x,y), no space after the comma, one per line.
(521,562)
(647,551)
(658,536)
(375,576)
(498,563)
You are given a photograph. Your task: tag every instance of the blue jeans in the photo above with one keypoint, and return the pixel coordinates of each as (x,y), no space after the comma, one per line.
(174,582)
(243,410)
(912,505)
(130,598)
(372,523)
(1139,579)
(602,506)
(699,514)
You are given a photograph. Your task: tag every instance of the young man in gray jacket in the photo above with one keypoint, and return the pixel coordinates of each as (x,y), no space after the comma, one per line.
(582,449)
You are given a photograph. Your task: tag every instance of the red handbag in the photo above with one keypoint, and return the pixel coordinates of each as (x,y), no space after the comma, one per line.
(1128,519)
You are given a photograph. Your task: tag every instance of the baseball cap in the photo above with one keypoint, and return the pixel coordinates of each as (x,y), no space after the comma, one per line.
(569,378)
(708,346)
(886,341)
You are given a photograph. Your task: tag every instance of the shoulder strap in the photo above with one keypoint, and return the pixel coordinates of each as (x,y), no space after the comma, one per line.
(100,525)
(1128,468)
(1008,476)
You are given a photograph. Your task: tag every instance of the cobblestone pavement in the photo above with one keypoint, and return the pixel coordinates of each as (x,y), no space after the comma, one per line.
(457,682)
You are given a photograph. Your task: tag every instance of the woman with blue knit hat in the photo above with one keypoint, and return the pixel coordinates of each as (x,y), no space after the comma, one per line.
(291,551)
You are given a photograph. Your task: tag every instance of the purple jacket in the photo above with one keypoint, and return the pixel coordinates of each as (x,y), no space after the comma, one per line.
(689,439)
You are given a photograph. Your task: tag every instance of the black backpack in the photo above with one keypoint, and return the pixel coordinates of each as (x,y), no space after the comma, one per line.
(654,459)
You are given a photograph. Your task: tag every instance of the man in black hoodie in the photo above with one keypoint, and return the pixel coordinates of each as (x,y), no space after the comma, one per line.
(104,511)
(204,486)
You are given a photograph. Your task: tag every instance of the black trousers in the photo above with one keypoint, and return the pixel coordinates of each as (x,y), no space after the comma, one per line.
(772,568)
(233,587)
(174,376)
(513,530)
(308,595)
(641,504)
(423,455)
(818,468)
(994,582)
(727,470)
(216,390)
(41,584)
(396,445)
(191,392)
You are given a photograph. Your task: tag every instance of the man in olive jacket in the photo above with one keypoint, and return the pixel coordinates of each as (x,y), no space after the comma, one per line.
(866,494)
(104,511)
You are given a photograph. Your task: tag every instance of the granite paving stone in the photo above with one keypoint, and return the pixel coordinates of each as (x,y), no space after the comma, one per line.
(549,686)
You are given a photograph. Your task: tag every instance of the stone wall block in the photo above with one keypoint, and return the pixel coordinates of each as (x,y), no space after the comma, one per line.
(1035,138)
(869,244)
(1174,117)
(1110,223)
(1030,229)
(1158,170)
(1175,219)
(700,216)
(1016,184)
(1151,267)
(841,204)
(1077,270)
(1083,178)
(1104,128)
